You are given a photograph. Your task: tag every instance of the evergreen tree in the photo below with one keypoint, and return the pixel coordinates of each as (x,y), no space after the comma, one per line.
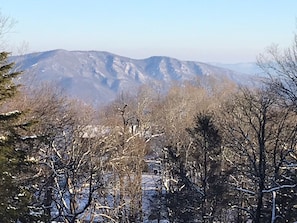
(206,160)
(199,192)
(14,196)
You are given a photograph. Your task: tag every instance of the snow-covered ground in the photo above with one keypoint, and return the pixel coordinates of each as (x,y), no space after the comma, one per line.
(151,187)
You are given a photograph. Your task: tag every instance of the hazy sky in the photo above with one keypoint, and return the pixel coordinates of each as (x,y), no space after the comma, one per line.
(226,31)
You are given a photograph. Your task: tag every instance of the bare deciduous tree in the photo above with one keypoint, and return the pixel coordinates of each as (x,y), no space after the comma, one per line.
(262,138)
(6,25)
(69,175)
(281,66)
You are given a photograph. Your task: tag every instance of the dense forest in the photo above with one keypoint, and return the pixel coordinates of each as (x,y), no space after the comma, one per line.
(220,152)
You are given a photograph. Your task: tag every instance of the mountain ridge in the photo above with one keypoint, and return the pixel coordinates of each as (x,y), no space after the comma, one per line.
(98,76)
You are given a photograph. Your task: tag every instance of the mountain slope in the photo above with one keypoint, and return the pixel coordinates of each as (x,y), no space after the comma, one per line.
(97,77)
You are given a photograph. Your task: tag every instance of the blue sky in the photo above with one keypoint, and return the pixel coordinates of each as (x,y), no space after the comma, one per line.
(227,31)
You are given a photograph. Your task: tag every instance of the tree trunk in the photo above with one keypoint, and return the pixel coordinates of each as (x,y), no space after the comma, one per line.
(262,172)
(259,205)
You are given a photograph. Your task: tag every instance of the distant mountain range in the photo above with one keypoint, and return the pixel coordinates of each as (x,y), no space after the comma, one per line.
(248,68)
(97,77)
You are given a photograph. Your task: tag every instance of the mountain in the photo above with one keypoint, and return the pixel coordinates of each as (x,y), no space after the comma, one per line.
(248,68)
(97,77)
